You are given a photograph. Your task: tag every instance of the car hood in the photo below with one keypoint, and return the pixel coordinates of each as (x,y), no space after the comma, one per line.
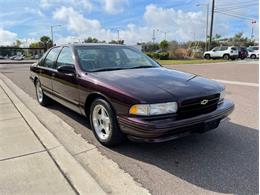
(155,85)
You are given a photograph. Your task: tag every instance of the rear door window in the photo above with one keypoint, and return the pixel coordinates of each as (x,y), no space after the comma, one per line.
(223,48)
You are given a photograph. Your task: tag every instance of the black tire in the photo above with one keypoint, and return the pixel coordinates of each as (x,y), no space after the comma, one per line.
(44,100)
(226,57)
(253,56)
(115,136)
(207,56)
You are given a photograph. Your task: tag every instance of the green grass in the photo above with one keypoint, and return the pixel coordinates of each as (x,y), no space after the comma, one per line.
(195,61)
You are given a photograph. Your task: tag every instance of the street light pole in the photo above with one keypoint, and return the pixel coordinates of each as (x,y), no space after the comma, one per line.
(207,24)
(153,36)
(53,26)
(118,35)
(252,32)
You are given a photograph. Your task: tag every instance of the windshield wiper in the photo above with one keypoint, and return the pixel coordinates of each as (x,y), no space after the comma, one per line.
(107,69)
(135,67)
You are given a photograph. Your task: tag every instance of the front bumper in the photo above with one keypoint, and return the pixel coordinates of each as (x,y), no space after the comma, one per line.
(158,130)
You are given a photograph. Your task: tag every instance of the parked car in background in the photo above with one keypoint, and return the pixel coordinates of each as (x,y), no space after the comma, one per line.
(225,52)
(253,48)
(242,52)
(253,54)
(17,57)
(124,93)
(2,57)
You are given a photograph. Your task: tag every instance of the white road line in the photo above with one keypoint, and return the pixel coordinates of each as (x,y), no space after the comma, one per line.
(238,83)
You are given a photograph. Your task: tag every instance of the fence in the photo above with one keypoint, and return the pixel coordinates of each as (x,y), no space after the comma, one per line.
(29,53)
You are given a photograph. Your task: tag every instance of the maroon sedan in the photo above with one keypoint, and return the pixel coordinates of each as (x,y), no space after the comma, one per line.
(124,93)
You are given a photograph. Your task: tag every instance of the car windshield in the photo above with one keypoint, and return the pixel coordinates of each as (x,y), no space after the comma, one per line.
(105,58)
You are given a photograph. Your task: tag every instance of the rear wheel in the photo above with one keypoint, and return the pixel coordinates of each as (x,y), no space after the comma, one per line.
(226,57)
(41,97)
(207,56)
(104,123)
(253,56)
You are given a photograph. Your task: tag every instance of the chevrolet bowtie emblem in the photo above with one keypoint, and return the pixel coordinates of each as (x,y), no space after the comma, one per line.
(204,102)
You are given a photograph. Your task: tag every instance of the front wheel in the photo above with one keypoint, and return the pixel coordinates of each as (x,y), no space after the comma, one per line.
(104,123)
(207,56)
(41,97)
(253,56)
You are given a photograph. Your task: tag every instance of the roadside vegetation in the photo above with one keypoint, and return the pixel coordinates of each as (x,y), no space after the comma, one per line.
(174,50)
(166,52)
(190,61)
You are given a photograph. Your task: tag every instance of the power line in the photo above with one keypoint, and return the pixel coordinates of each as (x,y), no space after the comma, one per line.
(237,3)
(237,6)
(235,13)
(235,16)
(234,8)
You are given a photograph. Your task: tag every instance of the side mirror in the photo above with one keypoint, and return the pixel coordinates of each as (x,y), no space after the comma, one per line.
(213,50)
(66,69)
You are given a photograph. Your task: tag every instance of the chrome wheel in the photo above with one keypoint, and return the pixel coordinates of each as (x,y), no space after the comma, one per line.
(39,91)
(101,122)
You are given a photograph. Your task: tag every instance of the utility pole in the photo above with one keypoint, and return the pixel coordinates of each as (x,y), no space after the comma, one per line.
(212,22)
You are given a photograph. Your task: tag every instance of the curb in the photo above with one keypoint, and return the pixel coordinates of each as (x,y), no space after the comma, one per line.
(106,172)
(79,179)
(17,62)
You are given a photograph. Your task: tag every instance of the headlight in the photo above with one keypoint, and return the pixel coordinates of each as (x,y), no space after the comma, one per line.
(154,109)
(222,95)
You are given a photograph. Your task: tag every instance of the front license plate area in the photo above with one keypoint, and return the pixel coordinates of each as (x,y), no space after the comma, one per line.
(211,124)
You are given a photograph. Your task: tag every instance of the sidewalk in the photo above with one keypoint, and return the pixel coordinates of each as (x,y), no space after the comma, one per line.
(32,161)
(83,167)
(17,62)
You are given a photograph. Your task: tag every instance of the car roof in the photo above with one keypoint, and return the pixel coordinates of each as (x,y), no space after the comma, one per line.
(89,44)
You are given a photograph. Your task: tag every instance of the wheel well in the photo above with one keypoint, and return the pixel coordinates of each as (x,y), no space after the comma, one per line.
(90,100)
(34,80)
(226,54)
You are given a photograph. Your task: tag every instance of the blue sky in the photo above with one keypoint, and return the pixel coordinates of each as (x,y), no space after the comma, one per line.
(182,20)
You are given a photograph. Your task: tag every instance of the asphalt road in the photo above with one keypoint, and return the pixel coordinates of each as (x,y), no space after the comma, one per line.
(224,160)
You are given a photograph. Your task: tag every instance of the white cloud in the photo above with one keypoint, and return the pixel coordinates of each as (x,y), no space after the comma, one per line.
(7,37)
(86,4)
(76,21)
(114,6)
(33,11)
(179,25)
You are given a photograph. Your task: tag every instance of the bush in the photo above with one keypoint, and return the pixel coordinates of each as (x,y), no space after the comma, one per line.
(161,56)
(164,56)
(179,53)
